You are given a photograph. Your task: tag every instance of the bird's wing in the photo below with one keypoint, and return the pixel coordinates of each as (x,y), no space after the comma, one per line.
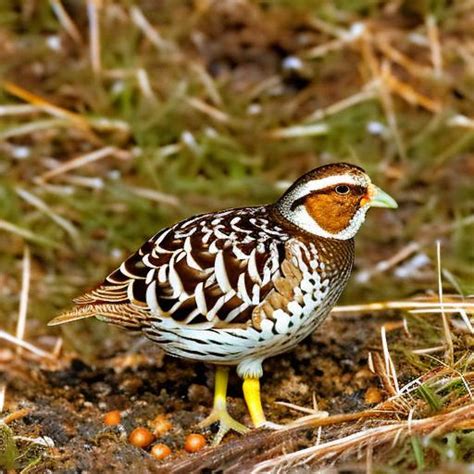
(212,270)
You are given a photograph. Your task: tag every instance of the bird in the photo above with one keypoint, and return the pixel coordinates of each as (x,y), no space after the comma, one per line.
(237,286)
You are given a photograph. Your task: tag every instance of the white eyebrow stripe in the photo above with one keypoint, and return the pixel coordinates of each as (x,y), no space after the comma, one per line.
(316,185)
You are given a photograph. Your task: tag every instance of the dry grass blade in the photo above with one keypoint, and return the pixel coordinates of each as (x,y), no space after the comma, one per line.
(44,105)
(402,305)
(144,84)
(32,127)
(65,20)
(25,233)
(21,109)
(93,7)
(43,207)
(25,289)
(209,84)
(299,131)
(379,76)
(148,30)
(78,162)
(209,110)
(435,46)
(389,365)
(25,345)
(460,121)
(154,195)
(16,415)
(397,57)
(438,424)
(3,391)
(368,93)
(447,331)
(410,95)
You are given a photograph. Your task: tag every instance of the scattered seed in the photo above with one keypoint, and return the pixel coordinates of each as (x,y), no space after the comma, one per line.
(112,418)
(141,437)
(160,451)
(194,443)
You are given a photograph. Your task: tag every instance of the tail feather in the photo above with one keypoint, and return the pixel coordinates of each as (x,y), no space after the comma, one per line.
(124,315)
(74,314)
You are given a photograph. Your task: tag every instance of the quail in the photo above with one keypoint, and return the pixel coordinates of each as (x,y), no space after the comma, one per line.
(237,286)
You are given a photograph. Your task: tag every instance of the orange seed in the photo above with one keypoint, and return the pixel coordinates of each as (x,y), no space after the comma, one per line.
(160,451)
(194,443)
(141,437)
(112,418)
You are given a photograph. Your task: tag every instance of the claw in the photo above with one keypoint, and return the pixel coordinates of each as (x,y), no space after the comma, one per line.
(226,423)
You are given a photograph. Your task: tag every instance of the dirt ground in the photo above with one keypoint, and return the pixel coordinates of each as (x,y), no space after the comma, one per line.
(67,404)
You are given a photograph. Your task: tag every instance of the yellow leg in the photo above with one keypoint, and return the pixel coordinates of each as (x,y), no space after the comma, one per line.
(251,388)
(219,412)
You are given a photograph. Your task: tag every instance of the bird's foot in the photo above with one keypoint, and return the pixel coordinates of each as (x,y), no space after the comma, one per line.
(226,423)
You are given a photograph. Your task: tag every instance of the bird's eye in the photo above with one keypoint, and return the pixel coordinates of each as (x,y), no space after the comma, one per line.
(342,189)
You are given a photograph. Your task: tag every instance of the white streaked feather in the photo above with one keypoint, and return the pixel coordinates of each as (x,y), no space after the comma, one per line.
(217,306)
(221,273)
(252,267)
(239,254)
(242,290)
(162,273)
(235,312)
(195,312)
(189,257)
(149,276)
(146,261)
(213,247)
(175,280)
(151,300)
(124,270)
(256,294)
(219,234)
(200,299)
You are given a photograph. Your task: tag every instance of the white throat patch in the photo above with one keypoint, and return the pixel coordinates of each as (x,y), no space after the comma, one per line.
(300,216)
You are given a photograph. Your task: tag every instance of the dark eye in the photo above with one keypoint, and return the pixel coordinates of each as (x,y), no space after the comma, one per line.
(342,189)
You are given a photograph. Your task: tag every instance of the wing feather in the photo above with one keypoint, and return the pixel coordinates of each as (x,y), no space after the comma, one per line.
(204,272)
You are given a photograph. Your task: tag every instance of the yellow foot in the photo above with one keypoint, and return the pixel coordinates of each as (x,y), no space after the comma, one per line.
(226,423)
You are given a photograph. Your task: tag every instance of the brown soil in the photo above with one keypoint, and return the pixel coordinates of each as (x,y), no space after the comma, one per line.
(68,404)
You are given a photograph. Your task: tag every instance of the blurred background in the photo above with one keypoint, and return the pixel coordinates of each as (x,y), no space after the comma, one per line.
(118,118)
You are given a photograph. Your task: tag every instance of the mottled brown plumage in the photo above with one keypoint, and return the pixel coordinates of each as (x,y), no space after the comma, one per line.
(237,286)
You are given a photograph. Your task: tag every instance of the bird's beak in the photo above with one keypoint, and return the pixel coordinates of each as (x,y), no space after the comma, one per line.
(379,198)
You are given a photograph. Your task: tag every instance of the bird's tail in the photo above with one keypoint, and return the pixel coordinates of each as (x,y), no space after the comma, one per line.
(120,314)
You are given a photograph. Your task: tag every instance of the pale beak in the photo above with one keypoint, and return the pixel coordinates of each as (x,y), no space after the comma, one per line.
(379,198)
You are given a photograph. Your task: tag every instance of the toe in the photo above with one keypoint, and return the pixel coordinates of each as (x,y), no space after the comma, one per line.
(226,424)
